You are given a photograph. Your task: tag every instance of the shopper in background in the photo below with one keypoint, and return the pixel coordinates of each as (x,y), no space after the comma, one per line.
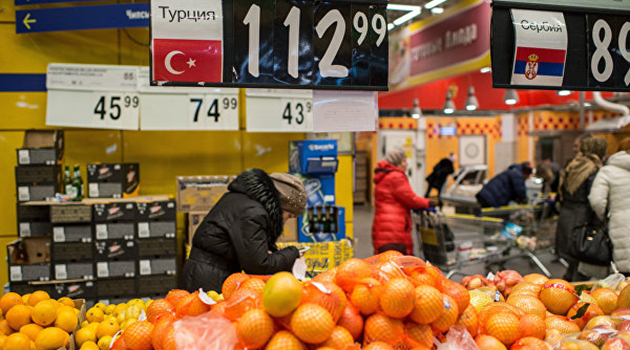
(240,231)
(546,173)
(578,140)
(394,198)
(610,196)
(575,186)
(440,173)
(506,187)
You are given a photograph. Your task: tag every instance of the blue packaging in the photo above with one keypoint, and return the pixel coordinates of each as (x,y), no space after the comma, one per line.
(305,236)
(320,189)
(313,157)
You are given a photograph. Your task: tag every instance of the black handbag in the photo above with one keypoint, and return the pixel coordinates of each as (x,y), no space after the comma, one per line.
(592,244)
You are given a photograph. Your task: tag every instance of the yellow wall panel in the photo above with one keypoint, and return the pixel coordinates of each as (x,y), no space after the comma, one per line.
(4,269)
(22,110)
(7,13)
(268,151)
(350,231)
(134,46)
(9,141)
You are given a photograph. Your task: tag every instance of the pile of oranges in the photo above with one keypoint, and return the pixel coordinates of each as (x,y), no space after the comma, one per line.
(36,322)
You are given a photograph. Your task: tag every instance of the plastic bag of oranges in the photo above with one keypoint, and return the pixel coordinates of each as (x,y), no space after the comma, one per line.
(209,331)
(458,338)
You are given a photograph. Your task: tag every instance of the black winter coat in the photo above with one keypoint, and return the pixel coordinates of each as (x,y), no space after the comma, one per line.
(505,187)
(440,173)
(237,235)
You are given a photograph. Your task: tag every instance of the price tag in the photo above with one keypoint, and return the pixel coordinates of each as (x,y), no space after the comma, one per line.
(93,190)
(101,231)
(145,267)
(143,230)
(608,51)
(102,269)
(92,96)
(274,110)
(61,272)
(59,234)
(16,273)
(24,157)
(25,229)
(23,194)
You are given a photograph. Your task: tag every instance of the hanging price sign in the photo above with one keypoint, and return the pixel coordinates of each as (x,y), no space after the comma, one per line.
(270,110)
(92,96)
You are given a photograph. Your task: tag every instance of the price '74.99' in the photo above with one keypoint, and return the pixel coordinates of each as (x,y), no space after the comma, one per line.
(112,105)
(212,110)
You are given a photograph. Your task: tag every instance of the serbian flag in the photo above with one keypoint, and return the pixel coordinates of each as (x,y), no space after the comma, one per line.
(538,66)
(191,61)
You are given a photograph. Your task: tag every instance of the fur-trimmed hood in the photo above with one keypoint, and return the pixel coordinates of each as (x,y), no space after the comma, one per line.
(257,185)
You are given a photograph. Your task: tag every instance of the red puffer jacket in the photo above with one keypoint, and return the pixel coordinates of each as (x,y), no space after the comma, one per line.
(394,198)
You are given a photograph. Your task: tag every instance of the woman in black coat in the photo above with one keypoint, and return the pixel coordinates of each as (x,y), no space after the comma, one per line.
(240,231)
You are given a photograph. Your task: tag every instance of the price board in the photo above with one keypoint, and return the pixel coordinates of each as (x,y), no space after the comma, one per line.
(90,96)
(274,110)
(181,108)
(594,54)
(270,44)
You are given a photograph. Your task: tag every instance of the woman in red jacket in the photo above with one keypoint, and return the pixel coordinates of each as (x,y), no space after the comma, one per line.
(394,198)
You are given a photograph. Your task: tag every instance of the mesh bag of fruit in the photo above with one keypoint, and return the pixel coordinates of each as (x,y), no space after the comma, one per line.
(209,331)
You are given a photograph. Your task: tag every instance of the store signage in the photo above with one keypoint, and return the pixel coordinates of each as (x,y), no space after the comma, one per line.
(92,96)
(562,49)
(35,2)
(182,108)
(273,44)
(612,5)
(82,17)
(279,110)
(435,49)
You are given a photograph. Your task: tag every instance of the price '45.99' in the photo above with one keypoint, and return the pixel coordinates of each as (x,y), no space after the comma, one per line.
(112,107)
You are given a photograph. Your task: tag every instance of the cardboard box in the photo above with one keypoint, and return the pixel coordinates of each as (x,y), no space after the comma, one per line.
(115,249)
(115,211)
(160,210)
(61,213)
(72,233)
(113,180)
(115,230)
(164,266)
(109,269)
(157,229)
(38,175)
(195,219)
(313,157)
(323,255)
(200,193)
(157,247)
(74,271)
(34,229)
(37,193)
(30,212)
(71,252)
(41,147)
(304,227)
(37,250)
(290,232)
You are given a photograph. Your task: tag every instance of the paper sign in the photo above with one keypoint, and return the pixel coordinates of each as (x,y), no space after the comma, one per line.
(345,111)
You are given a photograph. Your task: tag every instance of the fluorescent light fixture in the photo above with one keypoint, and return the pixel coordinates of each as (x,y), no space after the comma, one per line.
(437,10)
(404,18)
(416,113)
(587,104)
(511,97)
(471,102)
(449,105)
(390,26)
(433,3)
(564,92)
(397,7)
(485,70)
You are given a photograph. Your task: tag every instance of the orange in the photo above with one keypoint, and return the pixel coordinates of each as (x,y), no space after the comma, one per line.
(327,295)
(428,305)
(504,326)
(455,291)
(284,340)
(469,319)
(31,330)
(365,296)
(558,296)
(66,301)
(448,317)
(138,336)
(254,329)
(562,324)
(529,305)
(254,283)
(494,308)
(312,324)
(51,338)
(378,346)
(38,296)
(423,279)
(529,343)
(9,300)
(158,307)
(606,299)
(488,342)
(536,278)
(398,298)
(533,326)
(381,328)
(592,311)
(2,339)
(420,333)
(44,313)
(89,345)
(191,305)
(352,321)
(4,328)
(339,339)
(18,316)
(175,295)
(232,283)
(390,255)
(67,320)
(17,341)
(159,331)
(83,335)
(350,272)
(241,301)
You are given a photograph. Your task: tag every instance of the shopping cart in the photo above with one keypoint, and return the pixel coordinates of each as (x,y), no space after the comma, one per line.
(538,223)
(452,242)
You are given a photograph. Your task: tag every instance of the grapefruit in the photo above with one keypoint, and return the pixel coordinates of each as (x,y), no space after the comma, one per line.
(428,305)
(532,326)
(623,301)
(479,299)
(282,294)
(254,329)
(284,340)
(562,324)
(312,324)
(536,278)
(529,305)
(504,326)
(606,299)
(558,296)
(397,298)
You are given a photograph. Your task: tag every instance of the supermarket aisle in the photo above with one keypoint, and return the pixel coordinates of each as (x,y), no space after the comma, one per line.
(363,217)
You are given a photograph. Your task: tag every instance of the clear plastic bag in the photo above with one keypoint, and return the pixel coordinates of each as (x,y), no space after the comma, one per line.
(209,331)
(611,282)
(457,338)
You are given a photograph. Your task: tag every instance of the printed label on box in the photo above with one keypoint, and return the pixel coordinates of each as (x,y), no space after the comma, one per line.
(23,194)
(145,267)
(61,272)
(25,229)
(16,273)
(101,231)
(24,157)
(93,190)
(143,230)
(102,269)
(59,234)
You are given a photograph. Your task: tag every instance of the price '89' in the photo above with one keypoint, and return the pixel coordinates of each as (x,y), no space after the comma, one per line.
(602,44)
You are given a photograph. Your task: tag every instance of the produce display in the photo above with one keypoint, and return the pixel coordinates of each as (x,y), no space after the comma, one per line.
(386,302)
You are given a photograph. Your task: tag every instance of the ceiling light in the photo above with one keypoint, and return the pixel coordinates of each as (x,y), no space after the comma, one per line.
(390,26)
(485,70)
(433,3)
(471,102)
(511,97)
(563,92)
(437,10)
(404,18)
(397,7)
(416,113)
(587,104)
(449,105)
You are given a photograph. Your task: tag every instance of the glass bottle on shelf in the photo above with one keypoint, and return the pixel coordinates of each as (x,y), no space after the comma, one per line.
(320,219)
(311,219)
(77,182)
(327,220)
(68,186)
(333,219)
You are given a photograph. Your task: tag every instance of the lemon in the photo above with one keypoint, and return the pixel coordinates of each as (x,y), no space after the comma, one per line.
(83,335)
(95,315)
(132,312)
(110,309)
(101,306)
(89,345)
(104,342)
(107,328)
(119,308)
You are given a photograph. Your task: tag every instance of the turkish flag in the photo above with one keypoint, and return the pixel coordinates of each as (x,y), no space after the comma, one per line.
(187,60)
